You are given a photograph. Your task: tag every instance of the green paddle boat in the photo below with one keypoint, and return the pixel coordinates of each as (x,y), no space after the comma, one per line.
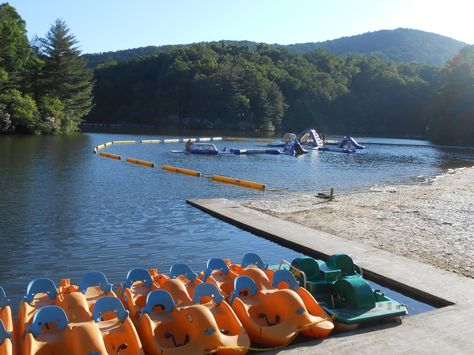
(338,286)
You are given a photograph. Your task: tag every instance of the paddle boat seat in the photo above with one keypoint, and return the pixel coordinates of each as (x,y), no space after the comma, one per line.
(116,327)
(252,261)
(94,285)
(218,272)
(344,263)
(319,275)
(39,293)
(186,275)
(273,317)
(134,290)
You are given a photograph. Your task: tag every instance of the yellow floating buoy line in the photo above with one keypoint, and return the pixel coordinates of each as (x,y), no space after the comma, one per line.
(110,155)
(223,179)
(238,182)
(174,169)
(156,141)
(181,170)
(234,139)
(141,162)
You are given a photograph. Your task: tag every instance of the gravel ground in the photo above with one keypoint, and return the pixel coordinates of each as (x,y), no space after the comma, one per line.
(432,222)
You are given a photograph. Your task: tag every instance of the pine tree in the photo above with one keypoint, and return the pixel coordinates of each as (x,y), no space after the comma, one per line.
(15,52)
(65,75)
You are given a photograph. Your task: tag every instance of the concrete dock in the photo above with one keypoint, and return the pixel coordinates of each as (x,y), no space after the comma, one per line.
(446,330)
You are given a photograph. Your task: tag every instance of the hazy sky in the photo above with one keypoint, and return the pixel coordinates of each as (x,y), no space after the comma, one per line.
(105,25)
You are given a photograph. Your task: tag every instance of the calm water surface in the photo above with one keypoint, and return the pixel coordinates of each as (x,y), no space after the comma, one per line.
(65,211)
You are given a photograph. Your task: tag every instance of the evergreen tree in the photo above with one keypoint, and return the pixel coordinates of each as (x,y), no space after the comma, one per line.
(64,74)
(15,51)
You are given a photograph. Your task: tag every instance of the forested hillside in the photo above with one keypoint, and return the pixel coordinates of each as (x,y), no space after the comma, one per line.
(267,89)
(400,46)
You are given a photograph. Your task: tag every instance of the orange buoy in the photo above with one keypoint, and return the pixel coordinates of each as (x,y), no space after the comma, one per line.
(181,170)
(238,182)
(141,162)
(110,155)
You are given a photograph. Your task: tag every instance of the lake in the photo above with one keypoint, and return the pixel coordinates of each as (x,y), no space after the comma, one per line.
(65,211)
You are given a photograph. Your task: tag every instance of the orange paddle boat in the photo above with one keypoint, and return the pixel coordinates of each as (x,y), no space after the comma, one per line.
(167,329)
(6,325)
(91,307)
(274,316)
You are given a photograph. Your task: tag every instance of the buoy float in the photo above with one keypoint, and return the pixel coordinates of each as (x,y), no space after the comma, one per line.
(204,139)
(264,140)
(170,140)
(143,141)
(217,138)
(181,170)
(123,142)
(235,139)
(109,155)
(238,182)
(108,144)
(141,162)
(184,140)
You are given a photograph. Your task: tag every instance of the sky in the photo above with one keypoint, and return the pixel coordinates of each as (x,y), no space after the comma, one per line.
(108,25)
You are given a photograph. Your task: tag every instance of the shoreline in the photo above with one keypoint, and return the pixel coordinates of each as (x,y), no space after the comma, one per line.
(430,222)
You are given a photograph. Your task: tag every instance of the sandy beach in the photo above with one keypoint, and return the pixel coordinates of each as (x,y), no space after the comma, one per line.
(432,222)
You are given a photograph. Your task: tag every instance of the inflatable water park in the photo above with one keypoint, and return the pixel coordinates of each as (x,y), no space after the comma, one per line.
(293,148)
(228,308)
(294,145)
(309,139)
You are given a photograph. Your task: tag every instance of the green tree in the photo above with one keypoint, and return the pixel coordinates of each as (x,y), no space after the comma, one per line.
(14,47)
(453,110)
(64,74)
(18,113)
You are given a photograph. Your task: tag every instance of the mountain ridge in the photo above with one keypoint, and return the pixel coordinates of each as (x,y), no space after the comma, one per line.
(401,45)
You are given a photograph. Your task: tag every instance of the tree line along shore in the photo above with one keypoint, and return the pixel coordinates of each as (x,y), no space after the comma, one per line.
(45,87)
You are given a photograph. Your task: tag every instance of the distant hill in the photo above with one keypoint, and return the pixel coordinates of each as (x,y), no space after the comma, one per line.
(401,45)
